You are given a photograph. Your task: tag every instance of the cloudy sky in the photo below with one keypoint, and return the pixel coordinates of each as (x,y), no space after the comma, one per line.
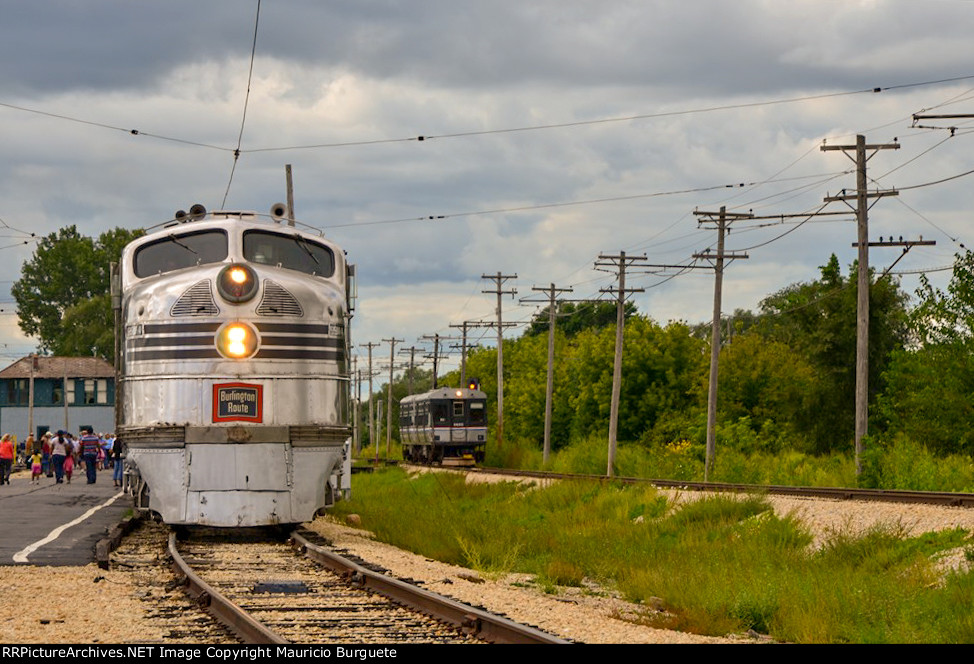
(554,131)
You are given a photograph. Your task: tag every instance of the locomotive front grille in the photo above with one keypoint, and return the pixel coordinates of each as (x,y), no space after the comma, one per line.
(277,301)
(196,301)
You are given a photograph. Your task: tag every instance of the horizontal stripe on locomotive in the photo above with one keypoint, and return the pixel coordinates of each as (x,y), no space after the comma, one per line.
(337,355)
(456,427)
(292,328)
(279,341)
(169,436)
(186,341)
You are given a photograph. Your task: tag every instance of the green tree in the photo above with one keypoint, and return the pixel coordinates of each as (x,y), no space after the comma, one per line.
(929,393)
(941,317)
(817,320)
(571,317)
(62,294)
(764,383)
(929,397)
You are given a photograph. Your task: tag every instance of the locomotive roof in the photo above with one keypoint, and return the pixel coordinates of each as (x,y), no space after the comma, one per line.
(235,224)
(445,393)
(221,218)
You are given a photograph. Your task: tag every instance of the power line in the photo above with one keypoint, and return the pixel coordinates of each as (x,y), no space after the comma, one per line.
(423,138)
(243,120)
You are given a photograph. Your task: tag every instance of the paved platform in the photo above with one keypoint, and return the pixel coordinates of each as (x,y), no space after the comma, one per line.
(57,524)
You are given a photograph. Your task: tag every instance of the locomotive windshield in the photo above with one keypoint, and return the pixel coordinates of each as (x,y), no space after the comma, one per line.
(288,251)
(478,415)
(175,252)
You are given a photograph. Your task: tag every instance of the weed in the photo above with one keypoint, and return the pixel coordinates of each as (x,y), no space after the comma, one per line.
(718,564)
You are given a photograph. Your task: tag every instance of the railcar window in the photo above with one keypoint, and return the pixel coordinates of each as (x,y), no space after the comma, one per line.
(289,251)
(477,413)
(458,409)
(175,252)
(441,413)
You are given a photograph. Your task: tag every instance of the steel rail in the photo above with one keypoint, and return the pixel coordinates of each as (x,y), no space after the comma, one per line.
(944,498)
(470,620)
(213,602)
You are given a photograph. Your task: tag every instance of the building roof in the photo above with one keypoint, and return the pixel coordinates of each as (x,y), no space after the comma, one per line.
(57,367)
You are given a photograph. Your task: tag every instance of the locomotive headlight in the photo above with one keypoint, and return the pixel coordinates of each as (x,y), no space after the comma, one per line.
(236,340)
(237,283)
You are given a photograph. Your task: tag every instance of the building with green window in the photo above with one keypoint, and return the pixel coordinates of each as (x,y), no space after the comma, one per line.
(68,393)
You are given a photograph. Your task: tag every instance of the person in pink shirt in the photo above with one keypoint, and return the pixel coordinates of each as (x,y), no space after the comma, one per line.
(6,458)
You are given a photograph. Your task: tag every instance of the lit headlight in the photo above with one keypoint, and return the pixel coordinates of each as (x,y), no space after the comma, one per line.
(237,283)
(236,340)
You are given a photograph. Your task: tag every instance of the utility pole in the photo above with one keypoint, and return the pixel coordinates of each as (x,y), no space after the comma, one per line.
(356,441)
(718,263)
(412,364)
(372,438)
(436,338)
(499,280)
(906,244)
(30,397)
(862,305)
(550,386)
(723,218)
(464,326)
(392,365)
(619,263)
(290,194)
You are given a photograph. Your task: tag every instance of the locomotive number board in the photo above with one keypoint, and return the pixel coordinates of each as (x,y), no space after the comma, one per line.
(238,402)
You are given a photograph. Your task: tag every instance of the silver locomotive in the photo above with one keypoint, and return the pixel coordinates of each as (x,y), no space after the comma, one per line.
(233,347)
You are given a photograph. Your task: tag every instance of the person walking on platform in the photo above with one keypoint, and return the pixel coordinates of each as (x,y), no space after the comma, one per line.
(117,464)
(35,468)
(58,454)
(46,455)
(90,445)
(29,448)
(6,458)
(70,453)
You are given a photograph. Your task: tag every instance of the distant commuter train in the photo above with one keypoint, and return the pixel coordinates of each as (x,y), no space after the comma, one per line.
(447,426)
(233,369)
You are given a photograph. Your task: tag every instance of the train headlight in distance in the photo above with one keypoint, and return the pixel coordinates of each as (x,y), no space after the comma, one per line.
(236,340)
(237,283)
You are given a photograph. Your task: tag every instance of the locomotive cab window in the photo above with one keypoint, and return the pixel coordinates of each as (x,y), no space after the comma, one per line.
(175,252)
(440,413)
(293,252)
(477,412)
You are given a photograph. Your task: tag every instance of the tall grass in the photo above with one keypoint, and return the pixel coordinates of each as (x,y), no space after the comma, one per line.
(898,463)
(716,565)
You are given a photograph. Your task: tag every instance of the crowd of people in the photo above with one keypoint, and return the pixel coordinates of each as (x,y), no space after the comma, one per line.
(57,455)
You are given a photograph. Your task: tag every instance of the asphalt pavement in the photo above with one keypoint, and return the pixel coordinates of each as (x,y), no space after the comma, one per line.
(58,524)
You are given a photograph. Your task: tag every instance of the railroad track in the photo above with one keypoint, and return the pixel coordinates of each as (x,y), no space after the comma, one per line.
(944,498)
(265,593)
(169,612)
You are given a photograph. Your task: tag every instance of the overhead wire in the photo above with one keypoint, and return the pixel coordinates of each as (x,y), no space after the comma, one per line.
(243,120)
(424,137)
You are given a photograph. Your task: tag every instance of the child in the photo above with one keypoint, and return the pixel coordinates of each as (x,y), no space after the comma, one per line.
(68,461)
(35,468)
